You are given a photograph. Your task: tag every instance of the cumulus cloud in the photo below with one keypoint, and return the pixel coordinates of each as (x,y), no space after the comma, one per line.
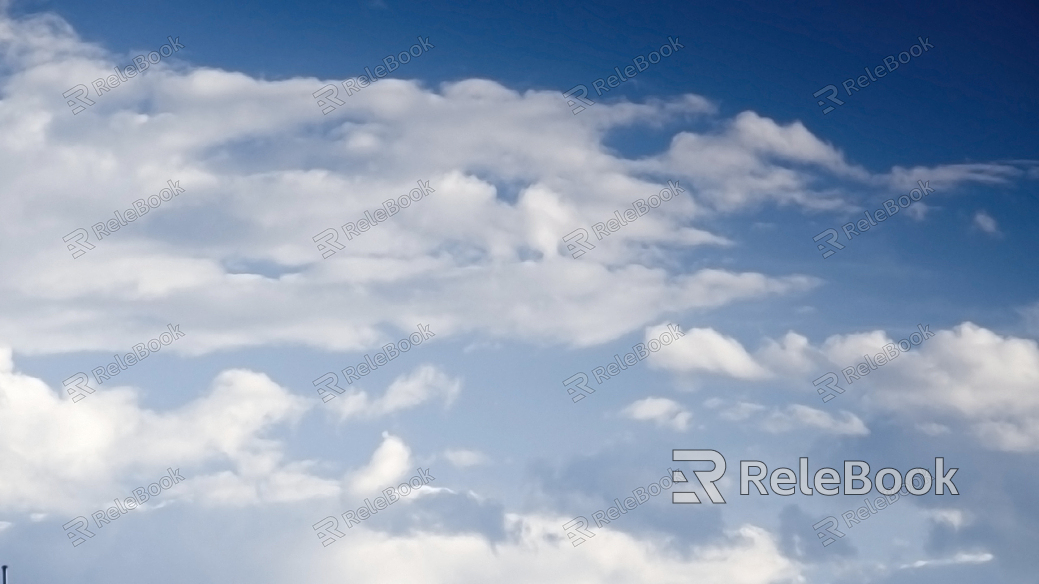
(705,350)
(390,462)
(791,355)
(537,550)
(972,375)
(61,455)
(406,391)
(793,417)
(966,375)
(481,253)
(664,412)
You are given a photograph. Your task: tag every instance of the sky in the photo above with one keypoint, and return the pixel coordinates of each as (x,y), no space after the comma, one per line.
(404,295)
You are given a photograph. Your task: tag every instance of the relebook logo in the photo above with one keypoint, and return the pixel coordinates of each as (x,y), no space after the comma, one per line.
(827,481)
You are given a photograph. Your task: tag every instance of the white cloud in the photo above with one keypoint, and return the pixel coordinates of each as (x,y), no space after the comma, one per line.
(64,456)
(796,417)
(483,260)
(665,412)
(705,350)
(463,458)
(959,558)
(406,391)
(390,461)
(918,211)
(954,518)
(537,550)
(967,374)
(933,429)
(791,355)
(972,374)
(986,223)
(741,411)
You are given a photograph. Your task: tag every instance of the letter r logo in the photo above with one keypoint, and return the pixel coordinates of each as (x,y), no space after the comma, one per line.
(77,242)
(831,523)
(832,97)
(581,383)
(80,93)
(576,528)
(831,241)
(706,477)
(578,237)
(328,530)
(328,381)
(831,384)
(76,386)
(80,524)
(330,93)
(328,242)
(582,92)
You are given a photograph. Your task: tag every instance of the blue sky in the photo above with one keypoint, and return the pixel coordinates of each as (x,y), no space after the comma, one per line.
(482,261)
